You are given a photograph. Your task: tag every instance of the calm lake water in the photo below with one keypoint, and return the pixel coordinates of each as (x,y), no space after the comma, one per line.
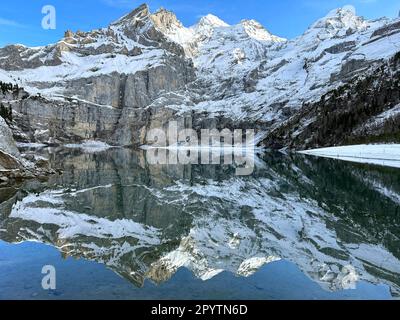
(116,227)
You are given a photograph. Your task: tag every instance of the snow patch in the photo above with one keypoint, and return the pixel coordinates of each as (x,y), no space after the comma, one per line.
(90,146)
(379,154)
(30,145)
(250,266)
(73,224)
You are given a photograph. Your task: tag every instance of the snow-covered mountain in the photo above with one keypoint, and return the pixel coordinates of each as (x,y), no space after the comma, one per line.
(145,69)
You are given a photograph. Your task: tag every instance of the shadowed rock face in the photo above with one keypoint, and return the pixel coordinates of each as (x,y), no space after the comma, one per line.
(119,117)
(7,143)
(112,107)
(9,153)
(8,162)
(13,165)
(329,218)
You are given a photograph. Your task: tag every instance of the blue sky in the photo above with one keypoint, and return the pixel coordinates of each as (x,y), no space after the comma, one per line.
(20,20)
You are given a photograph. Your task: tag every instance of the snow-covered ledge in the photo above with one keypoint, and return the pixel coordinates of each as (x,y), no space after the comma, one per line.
(380,154)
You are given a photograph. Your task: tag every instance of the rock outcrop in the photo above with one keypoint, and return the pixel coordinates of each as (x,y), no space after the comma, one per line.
(14,165)
(11,165)
(7,143)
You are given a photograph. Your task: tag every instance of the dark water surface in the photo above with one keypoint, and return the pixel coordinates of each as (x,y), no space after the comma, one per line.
(116,227)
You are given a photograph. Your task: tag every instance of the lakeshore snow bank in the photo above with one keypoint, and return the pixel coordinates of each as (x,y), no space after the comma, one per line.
(379,154)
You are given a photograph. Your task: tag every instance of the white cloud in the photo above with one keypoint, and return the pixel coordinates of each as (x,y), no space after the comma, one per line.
(10,23)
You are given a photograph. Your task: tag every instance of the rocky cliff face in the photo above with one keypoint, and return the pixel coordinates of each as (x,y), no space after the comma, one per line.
(8,151)
(13,165)
(145,69)
(7,143)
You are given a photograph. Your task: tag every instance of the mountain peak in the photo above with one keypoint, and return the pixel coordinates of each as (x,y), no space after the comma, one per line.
(251,22)
(165,20)
(341,19)
(141,12)
(344,12)
(211,20)
(257,31)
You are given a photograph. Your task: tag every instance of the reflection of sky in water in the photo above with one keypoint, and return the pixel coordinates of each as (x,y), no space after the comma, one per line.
(178,224)
(21,265)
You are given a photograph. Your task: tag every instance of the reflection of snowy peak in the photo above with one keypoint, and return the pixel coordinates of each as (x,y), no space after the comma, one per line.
(215,224)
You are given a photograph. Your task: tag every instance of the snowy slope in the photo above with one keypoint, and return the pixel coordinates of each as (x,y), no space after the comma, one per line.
(249,73)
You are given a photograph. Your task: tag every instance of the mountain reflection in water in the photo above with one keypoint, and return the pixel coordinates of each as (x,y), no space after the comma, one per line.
(338,222)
